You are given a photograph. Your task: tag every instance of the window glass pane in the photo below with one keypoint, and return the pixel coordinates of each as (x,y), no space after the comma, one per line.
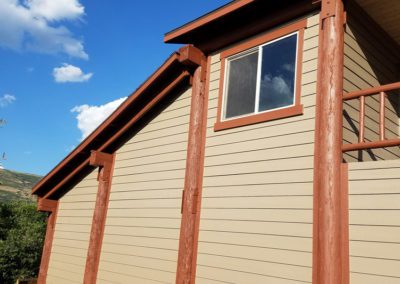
(242,80)
(278,74)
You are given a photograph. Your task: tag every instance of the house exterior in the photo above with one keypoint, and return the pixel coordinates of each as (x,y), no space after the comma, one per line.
(266,150)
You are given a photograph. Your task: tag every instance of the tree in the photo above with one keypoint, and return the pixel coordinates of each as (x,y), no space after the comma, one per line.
(22,231)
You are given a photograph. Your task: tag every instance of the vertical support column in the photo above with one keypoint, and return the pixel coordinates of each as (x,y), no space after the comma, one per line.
(192,57)
(345,224)
(105,162)
(51,206)
(327,239)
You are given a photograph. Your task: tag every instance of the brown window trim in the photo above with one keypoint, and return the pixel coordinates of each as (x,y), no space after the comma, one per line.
(296,109)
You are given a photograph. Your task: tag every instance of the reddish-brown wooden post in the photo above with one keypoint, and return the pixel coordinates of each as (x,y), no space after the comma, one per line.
(361,136)
(327,239)
(50,206)
(382,115)
(191,56)
(105,162)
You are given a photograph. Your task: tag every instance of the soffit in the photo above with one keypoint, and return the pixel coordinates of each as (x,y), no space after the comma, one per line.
(386,13)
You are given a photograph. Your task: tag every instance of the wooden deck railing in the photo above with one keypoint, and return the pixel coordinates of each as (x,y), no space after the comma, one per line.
(382,142)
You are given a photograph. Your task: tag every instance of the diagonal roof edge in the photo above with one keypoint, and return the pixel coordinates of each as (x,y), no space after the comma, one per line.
(75,161)
(228,8)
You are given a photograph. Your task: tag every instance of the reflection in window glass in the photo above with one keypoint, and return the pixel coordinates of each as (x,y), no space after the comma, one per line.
(278,74)
(242,81)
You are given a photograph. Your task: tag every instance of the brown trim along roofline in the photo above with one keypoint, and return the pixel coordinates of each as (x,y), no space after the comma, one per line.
(222,11)
(134,119)
(296,109)
(171,75)
(237,21)
(50,206)
(109,120)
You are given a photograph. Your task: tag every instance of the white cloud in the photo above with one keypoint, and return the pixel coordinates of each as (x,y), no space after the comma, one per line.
(280,86)
(70,73)
(6,100)
(278,90)
(32,25)
(53,10)
(288,67)
(89,117)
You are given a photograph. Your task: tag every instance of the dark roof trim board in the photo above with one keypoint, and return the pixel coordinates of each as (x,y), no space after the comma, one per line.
(205,19)
(239,20)
(173,75)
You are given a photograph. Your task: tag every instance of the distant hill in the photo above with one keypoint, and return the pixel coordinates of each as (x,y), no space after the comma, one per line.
(16,186)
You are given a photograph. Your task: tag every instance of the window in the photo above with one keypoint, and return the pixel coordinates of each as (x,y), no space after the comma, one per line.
(260,79)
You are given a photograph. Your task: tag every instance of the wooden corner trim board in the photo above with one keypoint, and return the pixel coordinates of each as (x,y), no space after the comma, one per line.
(329,256)
(51,206)
(345,223)
(105,162)
(296,109)
(187,253)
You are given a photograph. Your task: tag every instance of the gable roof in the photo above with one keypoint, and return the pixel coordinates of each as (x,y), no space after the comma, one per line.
(219,28)
(170,77)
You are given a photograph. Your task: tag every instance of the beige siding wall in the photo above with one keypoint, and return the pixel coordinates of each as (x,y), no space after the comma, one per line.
(374,204)
(256,216)
(374,188)
(369,61)
(72,233)
(141,236)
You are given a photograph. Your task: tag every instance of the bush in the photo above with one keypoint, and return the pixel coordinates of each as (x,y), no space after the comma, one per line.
(22,231)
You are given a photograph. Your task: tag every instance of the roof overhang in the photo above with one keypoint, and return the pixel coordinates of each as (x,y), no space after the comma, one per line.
(238,20)
(172,77)
(386,13)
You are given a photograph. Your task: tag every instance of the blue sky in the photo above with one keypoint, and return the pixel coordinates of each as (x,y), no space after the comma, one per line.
(63,55)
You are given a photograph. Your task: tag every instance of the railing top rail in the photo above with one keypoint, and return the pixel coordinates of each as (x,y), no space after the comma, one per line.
(371,91)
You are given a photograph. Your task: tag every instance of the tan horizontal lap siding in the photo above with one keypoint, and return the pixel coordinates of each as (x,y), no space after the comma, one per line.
(72,232)
(141,236)
(369,62)
(374,203)
(256,215)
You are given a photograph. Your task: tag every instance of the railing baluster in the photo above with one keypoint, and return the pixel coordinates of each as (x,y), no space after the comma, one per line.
(362,120)
(382,96)
(383,142)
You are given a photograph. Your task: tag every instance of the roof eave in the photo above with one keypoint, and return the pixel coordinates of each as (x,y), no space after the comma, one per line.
(75,164)
(239,20)
(174,35)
